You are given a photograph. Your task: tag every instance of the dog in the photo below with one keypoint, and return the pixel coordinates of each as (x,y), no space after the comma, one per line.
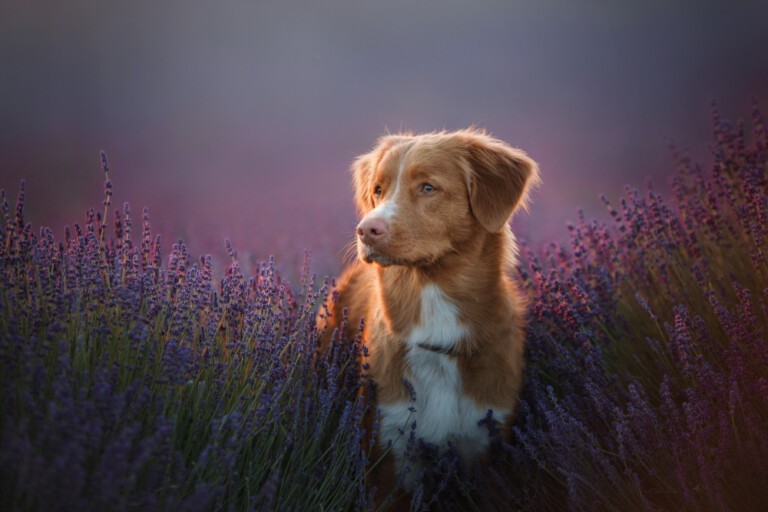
(443,320)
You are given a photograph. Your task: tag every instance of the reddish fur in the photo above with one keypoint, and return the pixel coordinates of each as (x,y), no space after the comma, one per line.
(457,239)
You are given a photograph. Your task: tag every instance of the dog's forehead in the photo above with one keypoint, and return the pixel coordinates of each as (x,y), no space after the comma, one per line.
(392,156)
(421,153)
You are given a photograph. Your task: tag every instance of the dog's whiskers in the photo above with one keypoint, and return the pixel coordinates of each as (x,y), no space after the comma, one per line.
(349,252)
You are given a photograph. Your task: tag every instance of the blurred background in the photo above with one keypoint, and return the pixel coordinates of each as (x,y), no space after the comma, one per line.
(239,119)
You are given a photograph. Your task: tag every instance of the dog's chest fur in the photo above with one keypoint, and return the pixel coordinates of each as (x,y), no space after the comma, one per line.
(441,410)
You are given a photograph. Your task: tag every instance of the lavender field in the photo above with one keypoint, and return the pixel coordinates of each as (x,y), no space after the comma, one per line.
(130,379)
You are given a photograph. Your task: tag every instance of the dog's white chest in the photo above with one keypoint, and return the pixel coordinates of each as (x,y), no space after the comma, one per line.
(441,410)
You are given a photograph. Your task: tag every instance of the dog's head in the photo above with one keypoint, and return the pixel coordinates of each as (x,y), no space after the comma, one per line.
(420,196)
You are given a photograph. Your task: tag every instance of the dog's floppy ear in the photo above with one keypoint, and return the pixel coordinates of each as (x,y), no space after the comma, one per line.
(362,178)
(500,177)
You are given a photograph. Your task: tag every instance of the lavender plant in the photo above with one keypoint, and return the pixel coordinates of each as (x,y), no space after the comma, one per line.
(126,384)
(129,383)
(648,341)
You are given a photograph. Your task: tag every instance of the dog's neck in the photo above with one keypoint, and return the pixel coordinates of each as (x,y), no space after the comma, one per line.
(472,278)
(477,263)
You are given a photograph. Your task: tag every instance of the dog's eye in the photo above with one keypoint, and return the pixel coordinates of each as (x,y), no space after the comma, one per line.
(427,188)
(377,191)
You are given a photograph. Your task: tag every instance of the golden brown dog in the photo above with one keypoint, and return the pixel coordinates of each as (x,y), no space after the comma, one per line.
(432,283)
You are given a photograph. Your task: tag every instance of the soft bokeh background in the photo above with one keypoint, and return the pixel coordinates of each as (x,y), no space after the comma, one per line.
(240,119)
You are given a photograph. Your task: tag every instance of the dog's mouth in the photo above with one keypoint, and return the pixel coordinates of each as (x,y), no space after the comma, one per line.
(371,255)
